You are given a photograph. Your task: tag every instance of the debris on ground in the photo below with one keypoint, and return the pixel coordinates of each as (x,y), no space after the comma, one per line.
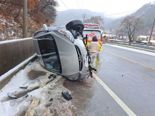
(36,94)
(66,95)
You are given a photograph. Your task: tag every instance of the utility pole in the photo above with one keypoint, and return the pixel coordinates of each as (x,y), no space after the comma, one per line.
(24,18)
(84,17)
(151,32)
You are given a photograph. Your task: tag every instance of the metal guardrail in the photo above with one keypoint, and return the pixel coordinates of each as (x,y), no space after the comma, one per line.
(5,78)
(13,52)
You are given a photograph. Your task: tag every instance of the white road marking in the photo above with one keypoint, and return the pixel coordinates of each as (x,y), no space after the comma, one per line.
(133,49)
(115,97)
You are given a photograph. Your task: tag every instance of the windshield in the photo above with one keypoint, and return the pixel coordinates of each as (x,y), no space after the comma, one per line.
(91,33)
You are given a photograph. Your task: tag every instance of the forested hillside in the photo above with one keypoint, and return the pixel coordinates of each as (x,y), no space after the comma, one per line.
(11,16)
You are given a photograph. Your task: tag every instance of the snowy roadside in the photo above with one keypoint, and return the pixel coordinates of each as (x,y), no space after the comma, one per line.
(147,49)
(33,91)
(134,49)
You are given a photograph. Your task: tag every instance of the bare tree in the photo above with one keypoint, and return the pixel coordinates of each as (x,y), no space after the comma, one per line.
(43,11)
(130,26)
(149,40)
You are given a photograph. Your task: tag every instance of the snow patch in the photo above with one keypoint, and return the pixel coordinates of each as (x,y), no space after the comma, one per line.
(46,100)
(132,49)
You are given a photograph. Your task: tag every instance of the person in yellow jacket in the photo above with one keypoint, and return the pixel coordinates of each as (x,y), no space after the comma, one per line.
(94,48)
(100,46)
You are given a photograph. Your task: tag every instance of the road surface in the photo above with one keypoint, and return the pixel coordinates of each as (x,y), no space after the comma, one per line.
(127,85)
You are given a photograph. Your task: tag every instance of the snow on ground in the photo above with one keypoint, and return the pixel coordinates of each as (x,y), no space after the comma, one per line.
(46,100)
(19,79)
(132,49)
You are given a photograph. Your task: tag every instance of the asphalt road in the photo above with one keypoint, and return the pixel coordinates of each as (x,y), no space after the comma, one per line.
(130,79)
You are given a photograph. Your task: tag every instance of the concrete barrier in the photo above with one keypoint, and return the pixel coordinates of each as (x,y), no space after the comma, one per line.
(14,52)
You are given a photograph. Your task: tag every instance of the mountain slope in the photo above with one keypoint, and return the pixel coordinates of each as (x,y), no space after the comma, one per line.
(75,14)
(147,14)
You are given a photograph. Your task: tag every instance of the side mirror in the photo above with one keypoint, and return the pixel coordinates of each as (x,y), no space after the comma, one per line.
(75,27)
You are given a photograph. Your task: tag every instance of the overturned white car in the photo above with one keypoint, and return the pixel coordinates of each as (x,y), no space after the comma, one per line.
(62,50)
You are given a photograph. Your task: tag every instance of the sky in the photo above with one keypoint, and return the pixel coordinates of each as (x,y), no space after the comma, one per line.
(110,8)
